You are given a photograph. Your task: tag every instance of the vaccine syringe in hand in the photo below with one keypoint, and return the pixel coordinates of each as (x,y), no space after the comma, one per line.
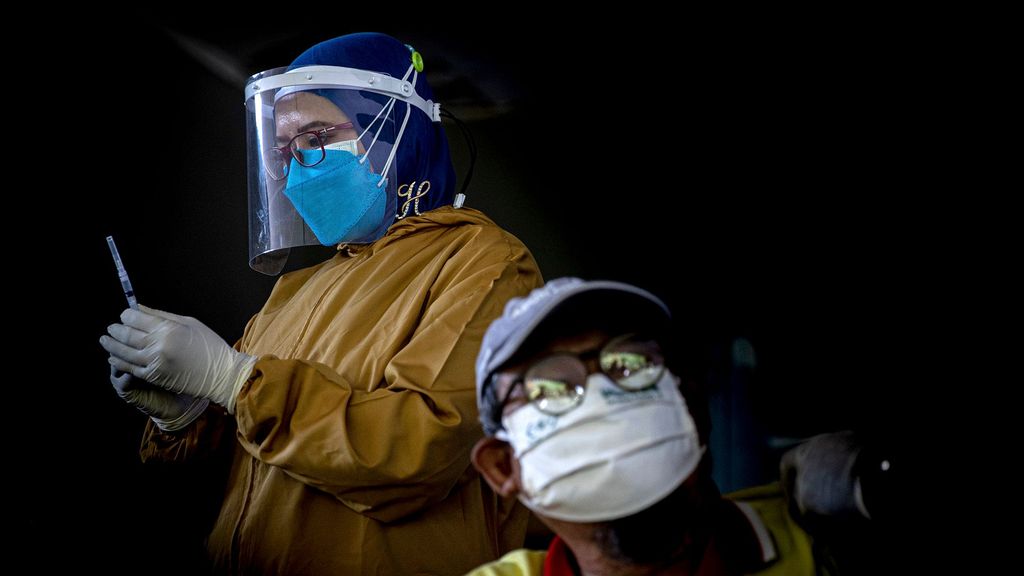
(126,284)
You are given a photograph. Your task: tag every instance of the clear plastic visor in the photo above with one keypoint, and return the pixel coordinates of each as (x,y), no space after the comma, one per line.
(294,127)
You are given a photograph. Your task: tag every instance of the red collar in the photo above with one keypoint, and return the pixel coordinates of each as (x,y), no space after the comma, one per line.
(559,561)
(750,546)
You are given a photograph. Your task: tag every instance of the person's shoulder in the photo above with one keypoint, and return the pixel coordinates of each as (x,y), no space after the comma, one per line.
(520,562)
(472,230)
(772,491)
(464,239)
(785,545)
(475,220)
(767,503)
(445,221)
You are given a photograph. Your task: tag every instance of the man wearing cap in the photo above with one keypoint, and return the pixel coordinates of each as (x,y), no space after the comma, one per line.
(594,422)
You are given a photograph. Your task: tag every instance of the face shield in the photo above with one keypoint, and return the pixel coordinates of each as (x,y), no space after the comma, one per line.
(322,142)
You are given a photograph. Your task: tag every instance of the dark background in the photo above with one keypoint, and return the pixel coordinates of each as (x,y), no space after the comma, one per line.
(765,180)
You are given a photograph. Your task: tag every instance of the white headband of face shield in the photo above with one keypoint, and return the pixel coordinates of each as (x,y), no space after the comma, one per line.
(335,77)
(614,455)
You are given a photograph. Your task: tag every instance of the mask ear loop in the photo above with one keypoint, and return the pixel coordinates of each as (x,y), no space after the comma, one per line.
(383,111)
(391,157)
(401,131)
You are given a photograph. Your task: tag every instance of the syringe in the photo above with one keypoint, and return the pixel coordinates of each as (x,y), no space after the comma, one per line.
(122,274)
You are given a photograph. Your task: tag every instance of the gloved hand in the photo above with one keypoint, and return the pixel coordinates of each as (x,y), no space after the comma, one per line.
(819,475)
(179,354)
(168,410)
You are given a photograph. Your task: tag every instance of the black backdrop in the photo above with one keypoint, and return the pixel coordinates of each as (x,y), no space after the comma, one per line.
(760,179)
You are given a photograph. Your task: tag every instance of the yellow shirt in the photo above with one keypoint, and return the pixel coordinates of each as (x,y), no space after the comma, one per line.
(354,431)
(520,562)
(783,548)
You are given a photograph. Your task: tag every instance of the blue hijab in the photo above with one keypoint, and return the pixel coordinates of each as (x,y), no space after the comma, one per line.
(423,153)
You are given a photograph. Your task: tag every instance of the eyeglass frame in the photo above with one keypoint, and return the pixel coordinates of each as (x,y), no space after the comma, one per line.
(520,380)
(286,150)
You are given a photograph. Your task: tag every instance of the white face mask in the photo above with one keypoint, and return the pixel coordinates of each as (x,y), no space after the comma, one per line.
(615,454)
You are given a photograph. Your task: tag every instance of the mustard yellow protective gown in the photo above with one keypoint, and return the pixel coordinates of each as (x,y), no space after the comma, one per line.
(351,453)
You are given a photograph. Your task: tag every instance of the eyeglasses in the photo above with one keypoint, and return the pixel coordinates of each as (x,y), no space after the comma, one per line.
(307,148)
(556,384)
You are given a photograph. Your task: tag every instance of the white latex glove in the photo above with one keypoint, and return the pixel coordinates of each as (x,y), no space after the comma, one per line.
(179,354)
(168,410)
(819,475)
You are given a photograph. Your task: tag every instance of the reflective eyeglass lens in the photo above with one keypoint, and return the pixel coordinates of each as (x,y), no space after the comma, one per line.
(633,363)
(556,384)
(306,148)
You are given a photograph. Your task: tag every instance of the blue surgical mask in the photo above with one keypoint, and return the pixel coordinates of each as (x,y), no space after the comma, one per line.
(339,198)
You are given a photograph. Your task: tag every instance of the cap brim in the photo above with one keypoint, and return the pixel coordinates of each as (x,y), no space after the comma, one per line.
(609,292)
